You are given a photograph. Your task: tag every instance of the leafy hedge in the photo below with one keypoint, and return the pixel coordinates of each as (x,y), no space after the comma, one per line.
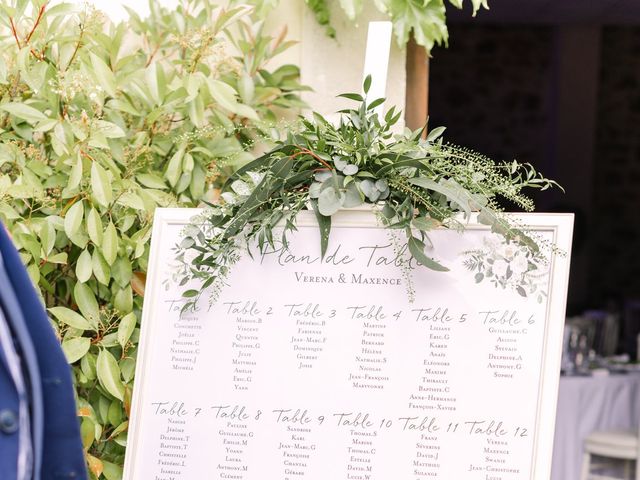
(99,125)
(426,20)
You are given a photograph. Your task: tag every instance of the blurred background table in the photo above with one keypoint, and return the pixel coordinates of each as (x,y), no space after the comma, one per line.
(588,403)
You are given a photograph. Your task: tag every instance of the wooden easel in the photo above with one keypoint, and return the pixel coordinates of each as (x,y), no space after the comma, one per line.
(417,69)
(417,93)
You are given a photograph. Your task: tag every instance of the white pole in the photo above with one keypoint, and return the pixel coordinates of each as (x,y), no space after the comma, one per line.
(376,60)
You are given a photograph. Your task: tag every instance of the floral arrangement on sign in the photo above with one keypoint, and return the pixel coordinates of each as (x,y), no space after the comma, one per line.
(418,185)
(510,266)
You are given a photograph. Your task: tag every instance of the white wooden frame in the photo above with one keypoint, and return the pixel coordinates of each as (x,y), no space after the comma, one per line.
(561,227)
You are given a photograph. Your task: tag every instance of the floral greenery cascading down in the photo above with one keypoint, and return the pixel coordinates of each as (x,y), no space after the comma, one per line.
(418,185)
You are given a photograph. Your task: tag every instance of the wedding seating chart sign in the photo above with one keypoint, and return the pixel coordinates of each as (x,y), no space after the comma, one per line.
(355,366)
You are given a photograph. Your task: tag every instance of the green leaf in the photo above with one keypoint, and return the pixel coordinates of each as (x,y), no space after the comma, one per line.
(246,88)
(416,247)
(103,75)
(174,168)
(435,133)
(151,180)
(95,464)
(83,266)
(123,300)
(128,364)
(425,223)
(131,200)
(352,8)
(110,130)
(352,96)
(120,428)
(3,71)
(109,374)
(87,432)
(114,414)
(59,258)
(126,327)
(330,201)
(87,303)
(376,103)
(100,267)
(121,271)
(75,177)
(324,223)
(88,366)
(24,111)
(367,81)
(94,226)
(110,243)
(112,471)
(101,185)
(222,93)
(76,348)
(151,80)
(477,4)
(425,19)
(73,219)
(71,318)
(450,189)
(47,238)
(353,197)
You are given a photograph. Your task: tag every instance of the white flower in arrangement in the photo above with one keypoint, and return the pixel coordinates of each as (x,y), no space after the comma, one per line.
(229,198)
(519,264)
(241,239)
(241,188)
(499,268)
(493,241)
(256,177)
(507,251)
(509,266)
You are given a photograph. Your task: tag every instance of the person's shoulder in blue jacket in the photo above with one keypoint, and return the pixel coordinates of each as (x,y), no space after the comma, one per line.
(55,449)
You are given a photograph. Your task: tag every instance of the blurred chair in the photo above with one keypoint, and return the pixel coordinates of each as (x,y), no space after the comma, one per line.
(631,327)
(613,447)
(603,330)
(581,340)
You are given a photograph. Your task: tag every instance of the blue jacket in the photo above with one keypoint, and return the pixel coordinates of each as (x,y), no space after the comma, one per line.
(57,448)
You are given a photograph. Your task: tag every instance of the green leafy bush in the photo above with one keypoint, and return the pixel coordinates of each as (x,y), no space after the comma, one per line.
(101,124)
(425,19)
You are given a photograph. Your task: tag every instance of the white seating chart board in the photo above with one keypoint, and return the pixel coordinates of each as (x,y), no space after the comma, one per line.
(324,369)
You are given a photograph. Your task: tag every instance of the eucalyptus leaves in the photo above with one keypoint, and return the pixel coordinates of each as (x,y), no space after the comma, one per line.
(417,185)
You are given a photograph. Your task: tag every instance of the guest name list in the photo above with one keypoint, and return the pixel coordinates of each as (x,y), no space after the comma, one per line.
(349,367)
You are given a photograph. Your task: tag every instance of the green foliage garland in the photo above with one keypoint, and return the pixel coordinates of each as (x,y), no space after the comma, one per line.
(417,184)
(99,125)
(426,19)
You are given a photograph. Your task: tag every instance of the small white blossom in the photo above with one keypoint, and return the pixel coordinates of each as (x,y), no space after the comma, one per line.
(519,264)
(499,268)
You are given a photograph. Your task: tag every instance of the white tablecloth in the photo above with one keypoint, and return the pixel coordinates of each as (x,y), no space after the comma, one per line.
(586,404)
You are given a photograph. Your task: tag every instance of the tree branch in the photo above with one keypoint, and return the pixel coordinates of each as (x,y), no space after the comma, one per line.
(14,32)
(37,22)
